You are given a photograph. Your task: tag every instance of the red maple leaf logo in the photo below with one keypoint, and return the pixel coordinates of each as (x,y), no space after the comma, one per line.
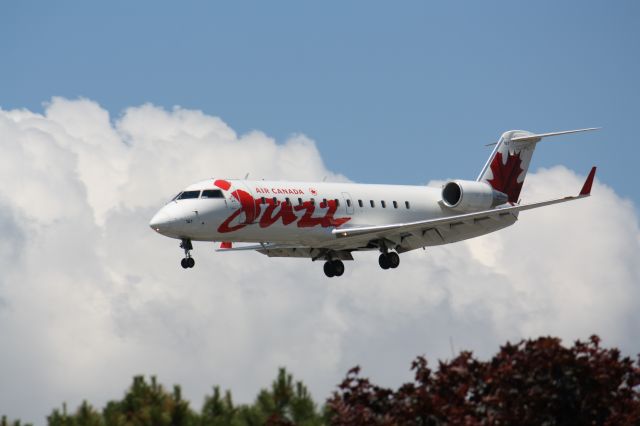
(505,175)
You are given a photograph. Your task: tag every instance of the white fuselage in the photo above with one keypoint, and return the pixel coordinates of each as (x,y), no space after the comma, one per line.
(297,212)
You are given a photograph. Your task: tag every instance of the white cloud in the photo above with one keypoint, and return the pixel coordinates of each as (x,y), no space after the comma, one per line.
(89,296)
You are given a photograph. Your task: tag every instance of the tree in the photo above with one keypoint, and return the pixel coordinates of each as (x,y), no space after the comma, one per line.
(85,415)
(532,382)
(219,411)
(5,422)
(286,403)
(149,404)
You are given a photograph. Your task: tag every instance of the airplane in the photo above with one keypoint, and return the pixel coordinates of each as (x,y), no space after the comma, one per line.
(329,221)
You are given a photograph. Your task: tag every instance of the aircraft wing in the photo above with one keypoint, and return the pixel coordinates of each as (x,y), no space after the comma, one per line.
(386,231)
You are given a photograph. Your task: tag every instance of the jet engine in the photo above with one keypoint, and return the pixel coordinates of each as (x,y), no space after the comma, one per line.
(470,196)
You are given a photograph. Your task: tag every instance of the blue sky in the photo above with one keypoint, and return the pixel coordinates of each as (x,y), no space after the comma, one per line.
(391,92)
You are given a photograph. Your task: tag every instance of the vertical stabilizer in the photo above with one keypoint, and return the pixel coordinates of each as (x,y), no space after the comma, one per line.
(508,164)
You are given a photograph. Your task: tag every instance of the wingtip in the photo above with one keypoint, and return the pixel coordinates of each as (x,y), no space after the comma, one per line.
(586,188)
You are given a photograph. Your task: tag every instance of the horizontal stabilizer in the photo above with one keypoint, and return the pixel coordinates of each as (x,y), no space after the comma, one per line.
(539,136)
(536,138)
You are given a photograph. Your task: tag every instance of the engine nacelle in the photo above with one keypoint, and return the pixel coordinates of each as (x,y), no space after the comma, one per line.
(469,196)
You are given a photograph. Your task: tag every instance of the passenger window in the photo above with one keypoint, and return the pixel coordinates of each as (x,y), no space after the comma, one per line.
(263,200)
(189,194)
(348,202)
(372,203)
(275,200)
(287,201)
(395,204)
(299,201)
(324,203)
(360,203)
(313,201)
(337,202)
(212,193)
(406,203)
(383,204)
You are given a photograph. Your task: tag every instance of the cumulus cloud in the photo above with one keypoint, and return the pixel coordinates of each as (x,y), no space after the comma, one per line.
(89,296)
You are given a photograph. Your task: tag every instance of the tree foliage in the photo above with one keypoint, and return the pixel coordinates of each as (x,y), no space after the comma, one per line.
(286,403)
(4,421)
(149,403)
(531,382)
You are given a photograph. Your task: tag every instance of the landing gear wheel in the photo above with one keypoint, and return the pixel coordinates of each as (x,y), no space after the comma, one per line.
(187,261)
(383,261)
(393,259)
(338,268)
(329,270)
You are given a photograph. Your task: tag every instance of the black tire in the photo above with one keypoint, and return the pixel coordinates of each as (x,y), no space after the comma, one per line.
(184,263)
(394,259)
(329,270)
(338,268)
(191,262)
(383,261)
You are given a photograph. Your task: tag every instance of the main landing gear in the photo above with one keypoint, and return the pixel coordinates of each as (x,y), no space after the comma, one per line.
(333,268)
(188,261)
(389,260)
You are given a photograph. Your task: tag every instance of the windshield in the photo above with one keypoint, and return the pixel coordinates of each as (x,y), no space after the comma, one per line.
(188,194)
(212,193)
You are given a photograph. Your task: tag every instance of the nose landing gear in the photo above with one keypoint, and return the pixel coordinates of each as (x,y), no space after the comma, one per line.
(188,261)
(333,268)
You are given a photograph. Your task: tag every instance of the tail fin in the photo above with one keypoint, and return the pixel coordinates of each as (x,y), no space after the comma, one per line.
(508,164)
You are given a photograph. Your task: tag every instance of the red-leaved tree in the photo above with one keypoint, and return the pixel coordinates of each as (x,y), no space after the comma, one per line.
(533,382)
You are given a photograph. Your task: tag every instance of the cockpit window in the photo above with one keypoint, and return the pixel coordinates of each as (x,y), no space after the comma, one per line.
(189,194)
(176,197)
(212,193)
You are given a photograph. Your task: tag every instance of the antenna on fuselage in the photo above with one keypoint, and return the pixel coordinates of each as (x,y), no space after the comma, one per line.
(246,176)
(324,179)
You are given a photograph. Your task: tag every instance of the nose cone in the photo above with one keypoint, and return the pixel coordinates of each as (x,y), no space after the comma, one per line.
(160,221)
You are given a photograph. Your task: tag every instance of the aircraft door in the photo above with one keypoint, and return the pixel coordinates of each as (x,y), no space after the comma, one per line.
(348,203)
